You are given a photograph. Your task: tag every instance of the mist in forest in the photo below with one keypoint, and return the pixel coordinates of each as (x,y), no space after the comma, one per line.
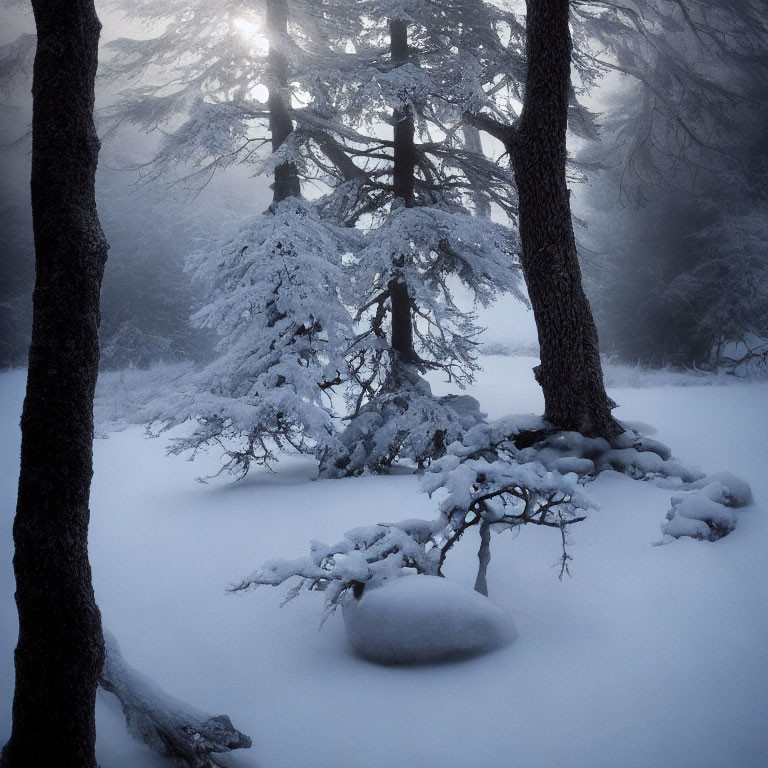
(671,208)
(402,275)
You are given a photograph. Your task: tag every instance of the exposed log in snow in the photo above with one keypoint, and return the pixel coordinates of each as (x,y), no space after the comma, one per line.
(169,726)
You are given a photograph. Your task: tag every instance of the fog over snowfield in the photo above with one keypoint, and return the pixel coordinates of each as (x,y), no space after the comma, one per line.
(646,656)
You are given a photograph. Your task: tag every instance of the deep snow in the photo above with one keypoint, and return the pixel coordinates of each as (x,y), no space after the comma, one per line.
(647,657)
(424,619)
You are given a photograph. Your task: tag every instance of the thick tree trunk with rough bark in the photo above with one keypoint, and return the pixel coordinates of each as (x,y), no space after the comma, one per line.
(570,373)
(286,182)
(403,184)
(60,649)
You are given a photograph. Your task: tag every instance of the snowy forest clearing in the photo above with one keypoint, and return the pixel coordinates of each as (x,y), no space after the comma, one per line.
(647,656)
(423,159)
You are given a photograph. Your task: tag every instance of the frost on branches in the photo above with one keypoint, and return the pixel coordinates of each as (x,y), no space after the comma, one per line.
(430,249)
(321,315)
(499,477)
(283,330)
(703,507)
(393,414)
(480,481)
(404,421)
(302,310)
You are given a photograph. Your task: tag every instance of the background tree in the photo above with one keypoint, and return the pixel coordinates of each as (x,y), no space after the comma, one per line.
(60,650)
(682,278)
(682,78)
(147,296)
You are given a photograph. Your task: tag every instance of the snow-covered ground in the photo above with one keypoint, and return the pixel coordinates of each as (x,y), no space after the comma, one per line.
(648,656)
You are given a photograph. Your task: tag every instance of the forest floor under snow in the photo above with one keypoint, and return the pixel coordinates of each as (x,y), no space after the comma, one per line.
(648,656)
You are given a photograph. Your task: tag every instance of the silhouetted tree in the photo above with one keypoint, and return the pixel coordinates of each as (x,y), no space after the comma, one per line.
(570,373)
(60,651)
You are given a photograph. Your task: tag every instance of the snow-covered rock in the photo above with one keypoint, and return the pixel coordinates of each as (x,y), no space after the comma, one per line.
(422,619)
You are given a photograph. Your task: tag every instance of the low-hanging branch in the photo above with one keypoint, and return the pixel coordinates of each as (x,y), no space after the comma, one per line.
(497,490)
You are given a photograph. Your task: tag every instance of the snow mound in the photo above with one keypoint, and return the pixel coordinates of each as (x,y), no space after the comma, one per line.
(706,510)
(423,619)
(725,488)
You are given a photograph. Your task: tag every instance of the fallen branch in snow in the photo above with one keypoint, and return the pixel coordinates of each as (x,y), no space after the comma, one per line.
(167,725)
(485,479)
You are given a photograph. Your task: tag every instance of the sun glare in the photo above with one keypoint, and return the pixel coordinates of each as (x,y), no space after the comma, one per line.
(259,92)
(253,34)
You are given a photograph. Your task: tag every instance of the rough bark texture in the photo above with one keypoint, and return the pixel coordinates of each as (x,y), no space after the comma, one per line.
(570,373)
(403,184)
(60,648)
(286,182)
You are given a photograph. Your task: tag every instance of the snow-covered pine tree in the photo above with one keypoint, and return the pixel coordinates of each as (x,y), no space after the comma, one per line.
(275,301)
(330,98)
(422,235)
(283,329)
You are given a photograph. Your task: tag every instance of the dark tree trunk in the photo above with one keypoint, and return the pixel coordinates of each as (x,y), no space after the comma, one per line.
(403,184)
(286,182)
(570,373)
(402,328)
(60,649)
